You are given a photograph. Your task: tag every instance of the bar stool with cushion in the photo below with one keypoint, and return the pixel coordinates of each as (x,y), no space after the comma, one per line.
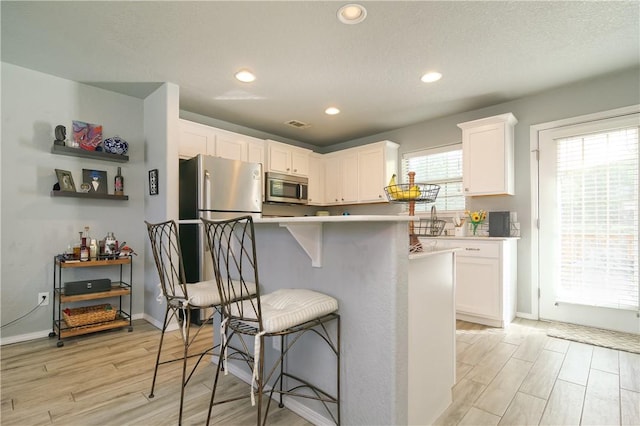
(288,313)
(180,298)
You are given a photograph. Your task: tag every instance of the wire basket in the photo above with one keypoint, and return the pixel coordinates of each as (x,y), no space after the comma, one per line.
(419,192)
(428,227)
(86,315)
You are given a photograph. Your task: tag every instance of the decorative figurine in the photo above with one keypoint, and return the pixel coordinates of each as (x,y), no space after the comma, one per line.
(61,135)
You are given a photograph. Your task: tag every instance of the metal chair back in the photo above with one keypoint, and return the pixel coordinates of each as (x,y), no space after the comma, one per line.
(165,245)
(233,252)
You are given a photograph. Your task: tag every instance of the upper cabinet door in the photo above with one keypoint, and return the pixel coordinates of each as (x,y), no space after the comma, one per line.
(195,139)
(287,159)
(316,180)
(299,162)
(487,155)
(231,146)
(255,151)
(376,164)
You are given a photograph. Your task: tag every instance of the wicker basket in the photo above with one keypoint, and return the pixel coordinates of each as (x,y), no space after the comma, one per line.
(86,315)
(429,227)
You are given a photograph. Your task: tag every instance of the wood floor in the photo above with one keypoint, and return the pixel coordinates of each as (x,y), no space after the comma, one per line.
(105,378)
(515,376)
(520,376)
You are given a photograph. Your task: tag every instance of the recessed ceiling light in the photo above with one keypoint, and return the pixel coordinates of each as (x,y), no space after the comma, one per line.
(332,111)
(430,77)
(352,13)
(245,76)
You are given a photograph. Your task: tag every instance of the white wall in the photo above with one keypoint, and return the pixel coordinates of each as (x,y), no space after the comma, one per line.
(36,226)
(161,131)
(599,94)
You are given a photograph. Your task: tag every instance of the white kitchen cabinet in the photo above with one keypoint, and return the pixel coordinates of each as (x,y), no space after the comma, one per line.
(195,139)
(488,155)
(341,177)
(377,162)
(287,159)
(255,151)
(485,278)
(230,145)
(316,196)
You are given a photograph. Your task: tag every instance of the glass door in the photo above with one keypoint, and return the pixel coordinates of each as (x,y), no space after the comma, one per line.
(588,236)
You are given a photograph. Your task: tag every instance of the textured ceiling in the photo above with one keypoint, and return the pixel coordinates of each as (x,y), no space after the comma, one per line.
(305,59)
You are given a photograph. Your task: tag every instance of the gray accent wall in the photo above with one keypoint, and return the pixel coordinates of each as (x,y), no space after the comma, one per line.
(584,97)
(36,226)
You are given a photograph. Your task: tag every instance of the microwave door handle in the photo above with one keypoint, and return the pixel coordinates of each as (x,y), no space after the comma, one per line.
(299,191)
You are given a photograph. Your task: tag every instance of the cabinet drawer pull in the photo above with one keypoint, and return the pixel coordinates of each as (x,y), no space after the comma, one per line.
(471,249)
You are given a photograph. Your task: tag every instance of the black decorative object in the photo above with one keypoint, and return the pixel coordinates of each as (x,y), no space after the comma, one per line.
(153,182)
(61,135)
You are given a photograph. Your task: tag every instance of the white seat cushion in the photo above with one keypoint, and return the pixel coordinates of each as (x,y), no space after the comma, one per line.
(286,308)
(205,293)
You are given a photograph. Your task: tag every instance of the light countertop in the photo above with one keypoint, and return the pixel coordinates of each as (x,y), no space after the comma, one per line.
(470,237)
(323,219)
(427,253)
(329,219)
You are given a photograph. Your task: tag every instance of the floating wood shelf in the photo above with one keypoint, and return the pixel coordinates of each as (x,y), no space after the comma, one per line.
(96,155)
(93,195)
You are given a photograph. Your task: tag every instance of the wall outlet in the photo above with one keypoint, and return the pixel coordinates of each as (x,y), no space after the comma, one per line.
(46,299)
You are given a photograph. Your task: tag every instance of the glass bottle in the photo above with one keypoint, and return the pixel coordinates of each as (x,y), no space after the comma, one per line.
(84,245)
(93,249)
(118,183)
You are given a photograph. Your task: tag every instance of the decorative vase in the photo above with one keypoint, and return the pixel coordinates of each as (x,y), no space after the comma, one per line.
(475,227)
(115,145)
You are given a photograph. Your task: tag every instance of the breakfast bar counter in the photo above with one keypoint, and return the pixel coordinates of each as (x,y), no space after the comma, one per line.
(397,310)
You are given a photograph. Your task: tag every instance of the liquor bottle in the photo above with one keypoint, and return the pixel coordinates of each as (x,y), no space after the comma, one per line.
(118,183)
(93,249)
(84,245)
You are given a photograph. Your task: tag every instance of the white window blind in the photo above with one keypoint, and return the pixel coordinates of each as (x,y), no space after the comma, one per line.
(598,211)
(441,166)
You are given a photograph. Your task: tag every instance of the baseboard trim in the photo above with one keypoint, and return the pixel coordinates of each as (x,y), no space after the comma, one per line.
(290,402)
(24,337)
(527,316)
(45,333)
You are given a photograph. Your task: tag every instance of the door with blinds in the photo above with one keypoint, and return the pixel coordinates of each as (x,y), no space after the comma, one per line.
(588,236)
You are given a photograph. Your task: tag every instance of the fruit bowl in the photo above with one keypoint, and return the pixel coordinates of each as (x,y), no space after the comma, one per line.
(404,192)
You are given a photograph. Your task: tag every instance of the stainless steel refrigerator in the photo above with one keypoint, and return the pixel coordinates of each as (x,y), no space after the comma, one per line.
(213,188)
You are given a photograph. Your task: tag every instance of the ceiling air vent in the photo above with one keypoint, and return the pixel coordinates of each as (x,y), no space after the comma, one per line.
(297,124)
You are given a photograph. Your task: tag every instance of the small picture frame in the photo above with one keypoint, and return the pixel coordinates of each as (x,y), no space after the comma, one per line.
(65,180)
(153,182)
(97,180)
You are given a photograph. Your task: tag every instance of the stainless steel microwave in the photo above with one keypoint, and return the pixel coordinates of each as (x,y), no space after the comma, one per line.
(282,188)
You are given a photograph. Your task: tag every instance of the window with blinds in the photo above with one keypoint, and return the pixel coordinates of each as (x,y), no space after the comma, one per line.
(597,177)
(441,166)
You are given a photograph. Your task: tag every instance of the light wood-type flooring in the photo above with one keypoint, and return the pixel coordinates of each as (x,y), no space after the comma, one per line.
(105,378)
(515,376)
(520,376)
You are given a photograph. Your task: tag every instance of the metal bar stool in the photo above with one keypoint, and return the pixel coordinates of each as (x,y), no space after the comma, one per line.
(288,313)
(180,298)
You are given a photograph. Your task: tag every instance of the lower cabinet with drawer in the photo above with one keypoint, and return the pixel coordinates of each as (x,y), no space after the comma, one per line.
(485,279)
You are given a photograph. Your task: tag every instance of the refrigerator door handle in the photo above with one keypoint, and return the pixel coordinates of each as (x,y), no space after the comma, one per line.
(207,190)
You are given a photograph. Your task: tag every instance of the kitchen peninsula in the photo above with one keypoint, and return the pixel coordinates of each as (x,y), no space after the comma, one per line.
(397,310)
